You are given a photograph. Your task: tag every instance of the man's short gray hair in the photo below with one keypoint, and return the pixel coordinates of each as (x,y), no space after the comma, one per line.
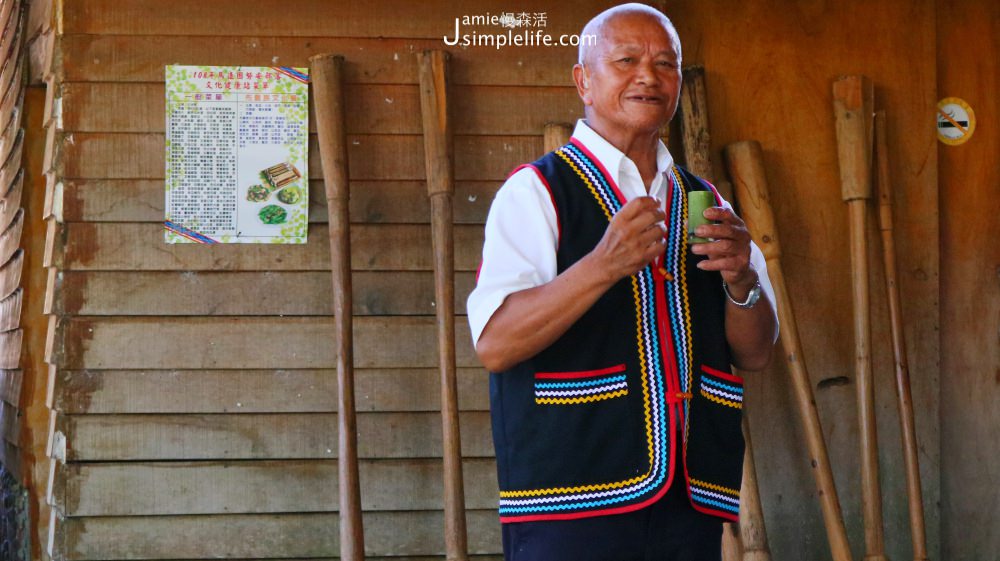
(595,26)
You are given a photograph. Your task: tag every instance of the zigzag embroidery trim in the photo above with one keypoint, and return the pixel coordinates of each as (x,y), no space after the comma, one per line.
(715,495)
(682,334)
(586,399)
(721,401)
(714,487)
(720,393)
(597,382)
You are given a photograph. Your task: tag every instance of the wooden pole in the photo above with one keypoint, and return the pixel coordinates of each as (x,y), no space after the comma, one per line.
(752,529)
(853,104)
(746,168)
(556,135)
(732,544)
(441,189)
(903,398)
(694,123)
(327,79)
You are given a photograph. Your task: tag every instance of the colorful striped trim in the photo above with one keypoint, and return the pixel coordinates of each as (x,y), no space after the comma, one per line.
(636,492)
(588,389)
(715,497)
(719,387)
(187,233)
(292,73)
(679,300)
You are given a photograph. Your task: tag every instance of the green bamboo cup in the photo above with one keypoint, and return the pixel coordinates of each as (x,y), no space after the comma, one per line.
(698,202)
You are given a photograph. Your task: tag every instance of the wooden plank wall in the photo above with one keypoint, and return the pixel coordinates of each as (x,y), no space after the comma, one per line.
(11,228)
(193,387)
(970,277)
(770,65)
(186,376)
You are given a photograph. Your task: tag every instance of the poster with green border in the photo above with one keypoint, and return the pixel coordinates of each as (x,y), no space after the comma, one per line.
(237,148)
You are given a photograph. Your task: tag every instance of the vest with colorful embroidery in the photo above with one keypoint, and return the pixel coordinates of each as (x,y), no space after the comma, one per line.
(591,425)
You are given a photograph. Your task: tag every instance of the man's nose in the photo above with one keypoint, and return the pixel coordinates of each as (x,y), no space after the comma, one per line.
(646,73)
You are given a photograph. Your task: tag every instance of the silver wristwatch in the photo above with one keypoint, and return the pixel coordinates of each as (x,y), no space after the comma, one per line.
(752,297)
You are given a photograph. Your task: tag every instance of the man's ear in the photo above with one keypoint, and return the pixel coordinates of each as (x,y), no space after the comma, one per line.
(582,83)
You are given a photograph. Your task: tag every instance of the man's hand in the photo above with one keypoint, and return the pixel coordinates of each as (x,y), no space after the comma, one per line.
(633,239)
(750,332)
(729,253)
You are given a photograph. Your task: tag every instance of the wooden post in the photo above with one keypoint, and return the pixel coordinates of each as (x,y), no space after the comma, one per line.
(694,123)
(853,104)
(556,135)
(441,189)
(327,78)
(746,168)
(752,529)
(903,398)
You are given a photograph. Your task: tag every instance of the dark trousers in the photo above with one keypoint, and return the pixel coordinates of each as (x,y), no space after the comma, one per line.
(668,530)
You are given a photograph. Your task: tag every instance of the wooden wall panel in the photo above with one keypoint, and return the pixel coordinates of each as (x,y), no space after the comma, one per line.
(178,488)
(968,40)
(269,293)
(371,109)
(237,342)
(118,438)
(373,60)
(770,66)
(139,246)
(254,391)
(261,535)
(141,156)
(374,202)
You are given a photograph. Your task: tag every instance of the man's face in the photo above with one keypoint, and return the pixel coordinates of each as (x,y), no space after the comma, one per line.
(632,79)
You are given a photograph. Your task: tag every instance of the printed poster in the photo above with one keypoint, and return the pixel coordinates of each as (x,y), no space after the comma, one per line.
(237,142)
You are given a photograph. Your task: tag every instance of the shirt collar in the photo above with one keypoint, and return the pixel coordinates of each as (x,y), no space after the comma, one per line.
(612,158)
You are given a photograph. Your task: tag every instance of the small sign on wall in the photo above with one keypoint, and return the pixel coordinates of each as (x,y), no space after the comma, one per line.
(237,149)
(955,121)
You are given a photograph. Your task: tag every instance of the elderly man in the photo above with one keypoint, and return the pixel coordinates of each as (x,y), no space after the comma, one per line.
(609,338)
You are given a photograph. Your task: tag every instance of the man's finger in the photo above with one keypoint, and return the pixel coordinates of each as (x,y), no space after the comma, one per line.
(722,214)
(637,206)
(721,231)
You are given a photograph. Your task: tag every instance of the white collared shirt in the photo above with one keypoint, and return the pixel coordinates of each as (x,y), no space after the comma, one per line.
(522,232)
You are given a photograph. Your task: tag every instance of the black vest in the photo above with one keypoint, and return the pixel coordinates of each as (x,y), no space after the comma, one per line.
(589,426)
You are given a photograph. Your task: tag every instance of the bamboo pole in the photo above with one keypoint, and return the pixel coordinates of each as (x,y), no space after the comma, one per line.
(746,168)
(853,104)
(903,398)
(327,79)
(441,189)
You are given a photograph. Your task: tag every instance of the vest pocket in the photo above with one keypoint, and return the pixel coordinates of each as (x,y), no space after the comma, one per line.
(721,388)
(582,386)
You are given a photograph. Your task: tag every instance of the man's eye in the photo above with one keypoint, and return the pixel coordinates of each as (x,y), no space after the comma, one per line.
(625,59)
